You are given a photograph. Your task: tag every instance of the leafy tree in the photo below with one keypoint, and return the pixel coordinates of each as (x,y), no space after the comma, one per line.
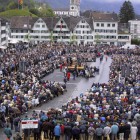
(126,12)
(49,12)
(12,5)
(34,11)
(135,41)
(2,9)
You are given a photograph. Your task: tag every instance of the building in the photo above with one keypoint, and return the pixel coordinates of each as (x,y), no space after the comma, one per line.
(3,32)
(102,28)
(135,28)
(74,9)
(105,27)
(58,29)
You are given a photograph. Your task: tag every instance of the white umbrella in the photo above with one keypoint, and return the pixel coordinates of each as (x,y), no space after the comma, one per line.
(3,47)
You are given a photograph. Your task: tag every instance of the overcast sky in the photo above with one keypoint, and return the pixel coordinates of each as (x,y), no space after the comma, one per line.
(133,1)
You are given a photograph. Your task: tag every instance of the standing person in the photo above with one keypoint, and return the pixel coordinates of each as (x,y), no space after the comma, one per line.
(68,75)
(138,134)
(11,118)
(99,133)
(65,80)
(61,66)
(107,131)
(74,74)
(57,132)
(91,132)
(134,131)
(68,131)
(37,131)
(16,124)
(8,132)
(127,131)
(114,131)
(76,133)
(82,131)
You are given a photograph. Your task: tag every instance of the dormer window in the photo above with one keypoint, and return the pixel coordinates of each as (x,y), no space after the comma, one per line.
(25,26)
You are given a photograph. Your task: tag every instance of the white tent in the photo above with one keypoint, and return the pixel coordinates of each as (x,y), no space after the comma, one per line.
(129,46)
(13,41)
(3,47)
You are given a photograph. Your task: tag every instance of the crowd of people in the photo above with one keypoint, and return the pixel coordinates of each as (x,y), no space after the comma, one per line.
(21,72)
(106,111)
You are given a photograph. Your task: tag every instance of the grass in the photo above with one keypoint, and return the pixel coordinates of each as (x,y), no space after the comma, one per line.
(16,12)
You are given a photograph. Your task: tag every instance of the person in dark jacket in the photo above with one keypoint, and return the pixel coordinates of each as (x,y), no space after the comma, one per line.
(127,131)
(138,133)
(121,131)
(45,129)
(37,132)
(76,133)
(82,131)
(51,133)
(68,132)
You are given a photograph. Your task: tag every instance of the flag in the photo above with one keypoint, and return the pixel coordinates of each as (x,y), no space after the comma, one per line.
(20,4)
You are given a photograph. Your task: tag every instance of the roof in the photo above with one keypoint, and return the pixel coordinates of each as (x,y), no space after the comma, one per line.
(3,20)
(19,22)
(104,17)
(61,9)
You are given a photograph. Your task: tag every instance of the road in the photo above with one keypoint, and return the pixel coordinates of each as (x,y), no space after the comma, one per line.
(74,87)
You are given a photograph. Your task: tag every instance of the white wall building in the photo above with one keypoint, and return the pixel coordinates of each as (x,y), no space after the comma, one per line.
(83,31)
(74,9)
(105,28)
(135,28)
(79,30)
(3,32)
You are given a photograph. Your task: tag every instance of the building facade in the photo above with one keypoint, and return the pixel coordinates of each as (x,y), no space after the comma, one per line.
(135,28)
(74,9)
(78,30)
(3,32)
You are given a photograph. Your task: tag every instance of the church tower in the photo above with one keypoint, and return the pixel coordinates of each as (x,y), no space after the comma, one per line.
(75,7)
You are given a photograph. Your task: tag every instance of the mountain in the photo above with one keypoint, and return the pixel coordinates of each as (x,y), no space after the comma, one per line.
(93,5)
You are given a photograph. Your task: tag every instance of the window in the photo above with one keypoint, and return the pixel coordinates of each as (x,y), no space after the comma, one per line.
(113,25)
(43,26)
(37,26)
(97,24)
(83,21)
(108,25)
(102,25)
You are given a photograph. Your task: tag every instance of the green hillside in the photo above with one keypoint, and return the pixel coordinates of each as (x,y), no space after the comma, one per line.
(16,12)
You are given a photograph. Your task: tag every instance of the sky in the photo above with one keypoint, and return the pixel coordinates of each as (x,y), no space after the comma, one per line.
(111,1)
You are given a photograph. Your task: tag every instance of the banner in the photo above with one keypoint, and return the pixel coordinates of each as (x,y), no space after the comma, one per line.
(28,124)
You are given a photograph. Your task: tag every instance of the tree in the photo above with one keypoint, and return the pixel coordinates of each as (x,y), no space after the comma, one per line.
(126,12)
(49,12)
(12,5)
(34,11)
